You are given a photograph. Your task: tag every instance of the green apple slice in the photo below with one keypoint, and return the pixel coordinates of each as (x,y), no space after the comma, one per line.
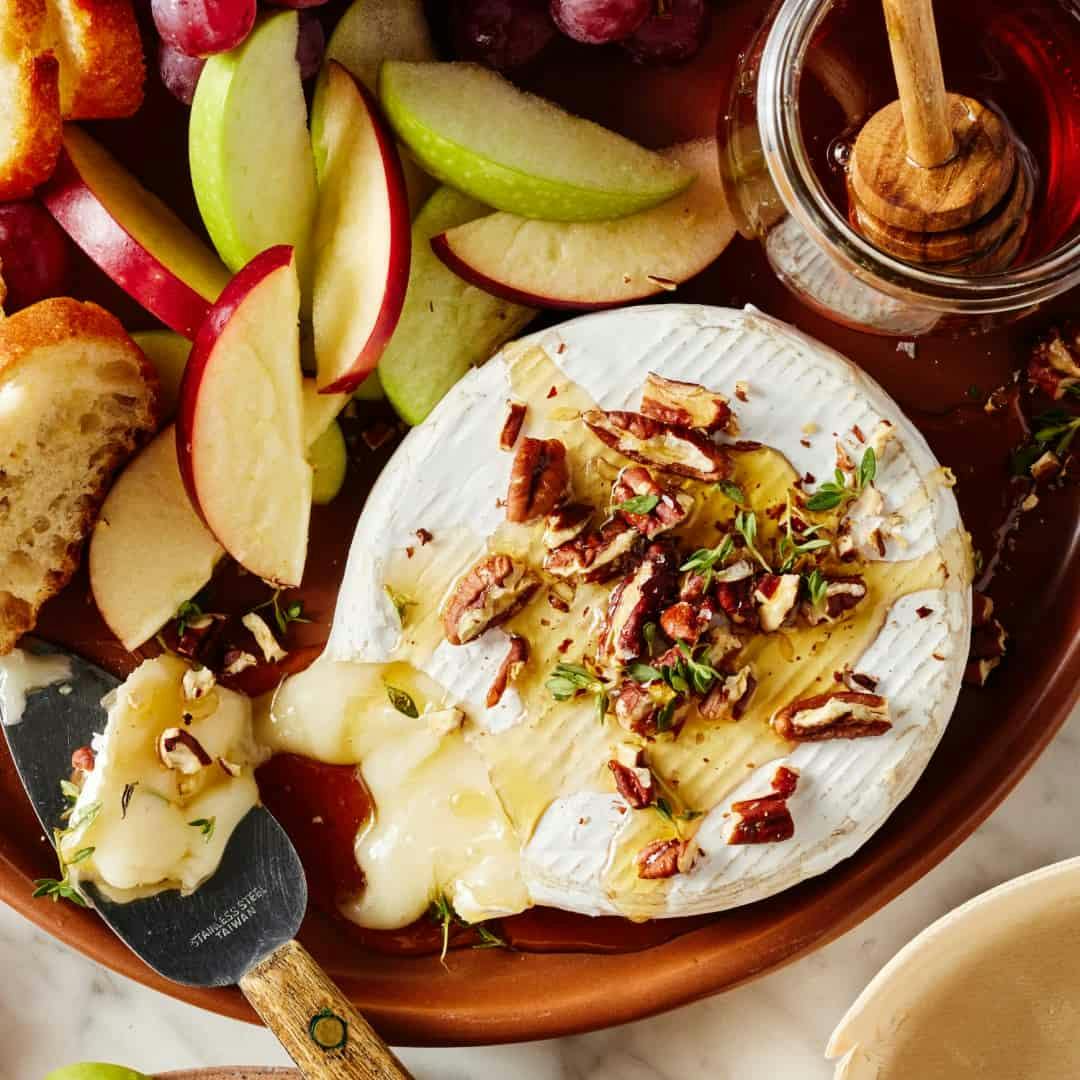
(447,325)
(168,352)
(329,458)
(475,131)
(249,149)
(95,1070)
(593,264)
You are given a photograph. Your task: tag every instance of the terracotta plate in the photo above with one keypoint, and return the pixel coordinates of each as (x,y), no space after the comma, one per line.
(995,736)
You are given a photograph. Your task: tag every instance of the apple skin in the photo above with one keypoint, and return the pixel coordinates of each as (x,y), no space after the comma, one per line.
(399,229)
(85,217)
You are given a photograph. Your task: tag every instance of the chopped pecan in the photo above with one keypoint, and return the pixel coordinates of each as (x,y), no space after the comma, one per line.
(686,404)
(767,820)
(665,858)
(264,637)
(1046,466)
(776,596)
(670,509)
(237,660)
(730,697)
(488,594)
(200,636)
(198,682)
(671,449)
(635,785)
(685,621)
(721,642)
(1053,367)
(843,714)
(636,600)
(736,600)
(82,759)
(511,428)
(982,609)
(517,656)
(639,709)
(538,479)
(856,680)
(566,523)
(736,572)
(180,750)
(842,594)
(594,556)
(989,640)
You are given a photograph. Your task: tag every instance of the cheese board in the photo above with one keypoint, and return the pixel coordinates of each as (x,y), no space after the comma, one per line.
(586,966)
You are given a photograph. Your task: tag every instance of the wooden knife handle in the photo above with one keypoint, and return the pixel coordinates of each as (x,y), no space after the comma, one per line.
(326,1037)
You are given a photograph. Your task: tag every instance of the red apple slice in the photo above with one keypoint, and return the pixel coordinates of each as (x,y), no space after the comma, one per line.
(240,426)
(149,551)
(598,264)
(362,233)
(133,236)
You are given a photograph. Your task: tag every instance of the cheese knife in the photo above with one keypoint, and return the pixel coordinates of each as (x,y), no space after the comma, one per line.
(238,927)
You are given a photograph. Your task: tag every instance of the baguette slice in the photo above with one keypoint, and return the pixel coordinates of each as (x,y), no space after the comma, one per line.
(29,99)
(101,58)
(77,397)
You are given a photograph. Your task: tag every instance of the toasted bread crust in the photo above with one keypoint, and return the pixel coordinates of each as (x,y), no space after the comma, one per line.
(107,70)
(24,337)
(34,144)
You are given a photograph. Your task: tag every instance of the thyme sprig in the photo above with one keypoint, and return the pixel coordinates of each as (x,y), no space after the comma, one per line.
(794,545)
(837,492)
(746,527)
(704,561)
(284,614)
(1054,431)
(567,681)
(61,888)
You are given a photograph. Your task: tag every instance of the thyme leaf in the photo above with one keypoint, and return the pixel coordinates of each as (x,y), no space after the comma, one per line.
(402,701)
(206,826)
(639,504)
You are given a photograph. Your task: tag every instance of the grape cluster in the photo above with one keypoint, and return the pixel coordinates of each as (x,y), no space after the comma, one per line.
(192,30)
(505,34)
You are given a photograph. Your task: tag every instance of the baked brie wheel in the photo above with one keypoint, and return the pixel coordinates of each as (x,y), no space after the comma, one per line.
(660,612)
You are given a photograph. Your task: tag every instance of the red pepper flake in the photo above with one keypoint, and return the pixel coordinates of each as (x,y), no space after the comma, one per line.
(410,552)
(565,644)
(552,392)
(561,348)
(923,611)
(857,432)
(809,478)
(805,442)
(424,537)
(740,393)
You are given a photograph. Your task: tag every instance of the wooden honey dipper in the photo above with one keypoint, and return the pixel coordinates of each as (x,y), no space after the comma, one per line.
(936,178)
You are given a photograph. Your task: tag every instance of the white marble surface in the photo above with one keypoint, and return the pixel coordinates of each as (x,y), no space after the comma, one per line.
(57,1007)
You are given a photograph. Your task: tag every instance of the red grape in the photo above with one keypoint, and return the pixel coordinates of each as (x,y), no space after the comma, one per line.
(310,45)
(202,27)
(503,34)
(179,72)
(596,22)
(34,254)
(674,32)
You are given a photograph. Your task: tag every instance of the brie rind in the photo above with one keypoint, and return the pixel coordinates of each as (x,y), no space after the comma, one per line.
(449,478)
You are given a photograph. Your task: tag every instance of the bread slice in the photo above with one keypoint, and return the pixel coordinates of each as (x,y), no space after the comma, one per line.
(101,58)
(29,99)
(77,397)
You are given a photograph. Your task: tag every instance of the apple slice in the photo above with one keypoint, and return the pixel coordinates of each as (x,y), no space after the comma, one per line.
(240,428)
(447,325)
(249,149)
(168,352)
(149,551)
(603,263)
(329,457)
(361,234)
(474,130)
(370,32)
(132,235)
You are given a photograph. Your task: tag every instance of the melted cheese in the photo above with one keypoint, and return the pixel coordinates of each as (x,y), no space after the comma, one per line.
(544,824)
(21,673)
(149,844)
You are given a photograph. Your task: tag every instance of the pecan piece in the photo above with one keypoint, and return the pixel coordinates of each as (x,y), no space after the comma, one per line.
(640,709)
(671,449)
(685,622)
(730,697)
(517,656)
(566,523)
(1053,367)
(511,429)
(537,480)
(776,596)
(767,820)
(670,510)
(595,556)
(635,601)
(1046,466)
(634,784)
(843,714)
(488,594)
(665,858)
(842,594)
(686,404)
(180,750)
(989,640)
(736,600)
